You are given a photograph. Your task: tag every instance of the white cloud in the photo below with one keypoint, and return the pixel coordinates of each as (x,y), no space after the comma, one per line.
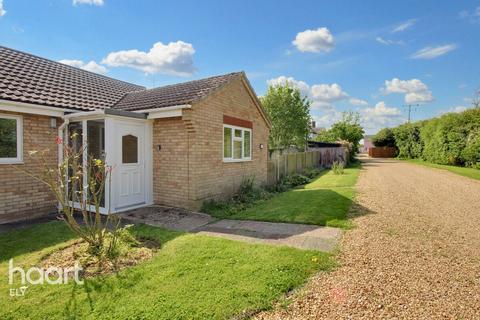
(358,102)
(314,40)
(2,11)
(415,90)
(433,52)
(456,109)
(300,85)
(89,66)
(321,95)
(327,92)
(404,25)
(175,58)
(473,16)
(89,2)
(380,116)
(388,42)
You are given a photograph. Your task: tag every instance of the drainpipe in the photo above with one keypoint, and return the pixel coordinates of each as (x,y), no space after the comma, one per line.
(62,136)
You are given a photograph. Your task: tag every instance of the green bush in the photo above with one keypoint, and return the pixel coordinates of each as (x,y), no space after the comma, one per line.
(384,138)
(452,139)
(295,179)
(338,167)
(311,172)
(407,140)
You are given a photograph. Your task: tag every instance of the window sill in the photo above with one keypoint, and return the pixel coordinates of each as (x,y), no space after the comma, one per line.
(236,160)
(11,162)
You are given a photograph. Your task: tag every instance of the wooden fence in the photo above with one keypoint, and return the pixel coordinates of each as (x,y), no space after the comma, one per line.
(281,165)
(382,152)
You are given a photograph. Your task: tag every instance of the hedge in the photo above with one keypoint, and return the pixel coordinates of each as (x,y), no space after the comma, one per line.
(452,139)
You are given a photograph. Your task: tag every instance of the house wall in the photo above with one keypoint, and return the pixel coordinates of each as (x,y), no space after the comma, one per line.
(189,168)
(170,163)
(22,197)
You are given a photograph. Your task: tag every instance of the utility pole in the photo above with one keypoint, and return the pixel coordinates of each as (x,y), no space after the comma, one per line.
(409,107)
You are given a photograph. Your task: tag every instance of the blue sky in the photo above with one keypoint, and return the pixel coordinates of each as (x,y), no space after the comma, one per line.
(368,56)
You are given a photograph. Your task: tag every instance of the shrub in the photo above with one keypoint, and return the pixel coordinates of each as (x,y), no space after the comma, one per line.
(295,179)
(311,172)
(338,167)
(248,192)
(452,139)
(407,140)
(384,138)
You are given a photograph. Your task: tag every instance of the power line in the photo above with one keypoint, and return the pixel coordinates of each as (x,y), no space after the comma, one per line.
(409,106)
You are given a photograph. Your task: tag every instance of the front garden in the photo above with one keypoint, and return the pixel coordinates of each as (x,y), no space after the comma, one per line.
(323,200)
(189,277)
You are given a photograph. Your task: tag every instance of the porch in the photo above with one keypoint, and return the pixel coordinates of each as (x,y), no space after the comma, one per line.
(123,141)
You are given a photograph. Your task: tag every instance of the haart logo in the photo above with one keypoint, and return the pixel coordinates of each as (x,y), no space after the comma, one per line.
(34,276)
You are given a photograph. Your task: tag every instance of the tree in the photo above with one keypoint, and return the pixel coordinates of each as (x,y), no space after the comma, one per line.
(349,129)
(384,138)
(290,116)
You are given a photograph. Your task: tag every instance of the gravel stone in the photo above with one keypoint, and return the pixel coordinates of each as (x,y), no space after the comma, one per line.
(414,253)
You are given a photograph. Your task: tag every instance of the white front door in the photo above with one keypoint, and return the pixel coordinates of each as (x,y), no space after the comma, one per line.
(130,143)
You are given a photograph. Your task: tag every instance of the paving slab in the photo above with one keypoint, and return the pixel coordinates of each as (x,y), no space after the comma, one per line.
(168,217)
(285,234)
(300,236)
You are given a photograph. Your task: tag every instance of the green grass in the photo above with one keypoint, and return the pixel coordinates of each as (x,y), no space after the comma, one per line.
(190,277)
(466,172)
(324,201)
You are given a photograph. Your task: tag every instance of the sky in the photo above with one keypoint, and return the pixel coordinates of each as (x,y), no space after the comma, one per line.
(372,57)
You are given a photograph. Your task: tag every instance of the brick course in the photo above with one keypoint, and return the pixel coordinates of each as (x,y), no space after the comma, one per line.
(21,196)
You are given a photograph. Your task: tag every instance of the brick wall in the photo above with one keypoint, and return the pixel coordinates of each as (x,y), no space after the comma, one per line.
(189,168)
(23,197)
(170,163)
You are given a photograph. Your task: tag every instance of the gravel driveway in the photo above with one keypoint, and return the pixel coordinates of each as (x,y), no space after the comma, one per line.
(414,254)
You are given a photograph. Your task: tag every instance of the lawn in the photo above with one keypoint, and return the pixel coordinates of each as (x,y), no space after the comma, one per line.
(190,277)
(466,172)
(324,201)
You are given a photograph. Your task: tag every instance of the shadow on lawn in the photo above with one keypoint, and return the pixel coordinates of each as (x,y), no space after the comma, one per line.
(33,238)
(299,212)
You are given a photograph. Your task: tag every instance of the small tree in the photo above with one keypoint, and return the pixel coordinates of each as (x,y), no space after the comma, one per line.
(384,138)
(349,129)
(290,116)
(66,181)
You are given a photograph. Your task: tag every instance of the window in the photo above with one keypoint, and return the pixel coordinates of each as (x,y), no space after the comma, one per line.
(237,143)
(129,149)
(11,139)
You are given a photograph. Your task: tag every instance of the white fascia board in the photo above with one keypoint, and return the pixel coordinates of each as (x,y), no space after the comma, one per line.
(165,114)
(85,114)
(177,107)
(13,106)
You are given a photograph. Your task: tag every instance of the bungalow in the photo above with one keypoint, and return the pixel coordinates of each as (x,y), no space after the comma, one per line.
(176,145)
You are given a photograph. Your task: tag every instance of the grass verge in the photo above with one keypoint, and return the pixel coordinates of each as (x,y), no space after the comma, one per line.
(190,277)
(466,172)
(324,201)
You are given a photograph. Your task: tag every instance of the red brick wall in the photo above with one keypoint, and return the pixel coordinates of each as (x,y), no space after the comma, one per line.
(21,196)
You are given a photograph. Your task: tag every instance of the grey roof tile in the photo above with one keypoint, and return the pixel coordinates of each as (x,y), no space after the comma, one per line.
(28,78)
(176,94)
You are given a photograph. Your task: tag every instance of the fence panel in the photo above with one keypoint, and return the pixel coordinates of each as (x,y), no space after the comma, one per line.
(283,164)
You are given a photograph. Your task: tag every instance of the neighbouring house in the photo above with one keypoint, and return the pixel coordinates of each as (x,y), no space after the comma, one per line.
(176,145)
(367,144)
(314,130)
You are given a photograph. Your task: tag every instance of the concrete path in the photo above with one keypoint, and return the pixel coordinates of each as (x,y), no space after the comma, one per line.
(286,234)
(169,218)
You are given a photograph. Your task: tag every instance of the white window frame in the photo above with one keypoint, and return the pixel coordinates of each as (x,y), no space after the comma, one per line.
(19,157)
(233,138)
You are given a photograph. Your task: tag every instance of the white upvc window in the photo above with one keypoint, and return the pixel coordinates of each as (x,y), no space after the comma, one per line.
(11,139)
(237,143)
